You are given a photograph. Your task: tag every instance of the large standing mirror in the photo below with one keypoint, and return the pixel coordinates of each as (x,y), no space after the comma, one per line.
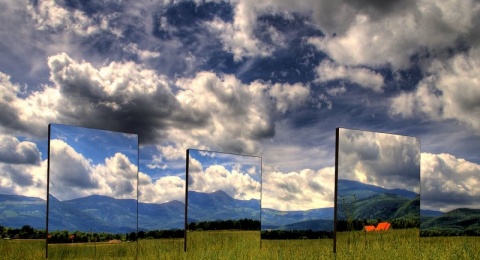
(92,193)
(377,192)
(449,199)
(223,195)
(297,205)
(161,208)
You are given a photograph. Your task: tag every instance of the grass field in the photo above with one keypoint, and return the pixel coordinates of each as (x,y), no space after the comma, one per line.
(394,244)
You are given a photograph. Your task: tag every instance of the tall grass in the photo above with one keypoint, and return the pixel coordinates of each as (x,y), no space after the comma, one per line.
(22,249)
(393,244)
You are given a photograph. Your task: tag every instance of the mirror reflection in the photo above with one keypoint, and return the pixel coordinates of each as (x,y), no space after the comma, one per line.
(377,189)
(92,192)
(223,199)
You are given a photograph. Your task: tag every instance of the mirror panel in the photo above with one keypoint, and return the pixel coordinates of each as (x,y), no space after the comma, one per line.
(92,193)
(377,199)
(161,203)
(222,199)
(449,198)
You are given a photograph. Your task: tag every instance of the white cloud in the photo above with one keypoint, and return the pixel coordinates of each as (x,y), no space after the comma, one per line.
(335,91)
(72,175)
(207,111)
(162,190)
(449,182)
(302,190)
(370,33)
(236,183)
(289,96)
(26,115)
(238,37)
(385,160)
(24,179)
(117,177)
(142,54)
(70,172)
(372,38)
(228,114)
(450,91)
(156,163)
(51,17)
(366,78)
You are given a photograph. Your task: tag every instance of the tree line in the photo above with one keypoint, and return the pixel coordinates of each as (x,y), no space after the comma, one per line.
(64,236)
(358,224)
(449,232)
(25,232)
(240,224)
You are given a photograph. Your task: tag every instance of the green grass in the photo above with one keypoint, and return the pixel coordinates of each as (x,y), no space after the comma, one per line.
(394,244)
(22,249)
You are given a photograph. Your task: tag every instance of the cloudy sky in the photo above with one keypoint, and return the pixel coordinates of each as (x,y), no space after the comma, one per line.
(239,176)
(87,162)
(266,78)
(385,160)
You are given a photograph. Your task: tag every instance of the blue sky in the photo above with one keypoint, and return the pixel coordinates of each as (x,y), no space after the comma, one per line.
(97,144)
(85,161)
(266,78)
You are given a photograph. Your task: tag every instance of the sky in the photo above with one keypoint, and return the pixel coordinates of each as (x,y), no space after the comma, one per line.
(238,175)
(265,78)
(385,160)
(86,161)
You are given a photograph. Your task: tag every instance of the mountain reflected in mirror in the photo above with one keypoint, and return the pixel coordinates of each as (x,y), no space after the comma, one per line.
(377,188)
(223,198)
(92,190)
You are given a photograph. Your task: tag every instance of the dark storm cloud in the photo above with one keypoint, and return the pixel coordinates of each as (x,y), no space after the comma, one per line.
(121,101)
(380,8)
(15,152)
(18,175)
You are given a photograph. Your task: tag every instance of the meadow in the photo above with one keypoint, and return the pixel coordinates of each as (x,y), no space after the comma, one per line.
(393,244)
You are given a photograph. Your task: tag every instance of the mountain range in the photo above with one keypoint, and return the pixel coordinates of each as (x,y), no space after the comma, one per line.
(460,221)
(108,214)
(219,205)
(365,201)
(349,188)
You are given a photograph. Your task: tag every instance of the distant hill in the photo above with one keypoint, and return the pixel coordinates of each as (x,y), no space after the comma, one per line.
(219,205)
(458,222)
(410,209)
(96,213)
(169,215)
(17,211)
(430,213)
(108,214)
(348,188)
(276,219)
(365,201)
(381,206)
(314,225)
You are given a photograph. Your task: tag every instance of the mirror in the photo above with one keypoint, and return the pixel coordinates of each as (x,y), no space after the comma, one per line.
(161,207)
(297,205)
(449,199)
(377,189)
(223,197)
(92,193)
